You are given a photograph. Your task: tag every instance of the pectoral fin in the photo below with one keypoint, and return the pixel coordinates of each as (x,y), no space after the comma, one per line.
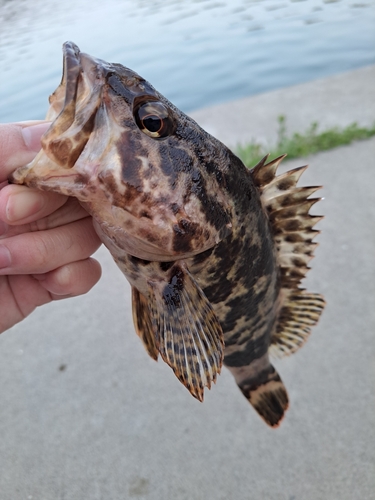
(188,334)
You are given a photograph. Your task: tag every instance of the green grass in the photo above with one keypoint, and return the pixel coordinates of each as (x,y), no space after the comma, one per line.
(300,145)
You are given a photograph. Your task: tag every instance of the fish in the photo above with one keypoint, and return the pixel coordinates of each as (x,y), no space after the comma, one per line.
(214,252)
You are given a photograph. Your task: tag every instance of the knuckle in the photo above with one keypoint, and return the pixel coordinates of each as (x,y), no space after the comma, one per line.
(43,249)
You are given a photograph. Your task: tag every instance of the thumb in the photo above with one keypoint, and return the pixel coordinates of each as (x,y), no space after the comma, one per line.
(19,143)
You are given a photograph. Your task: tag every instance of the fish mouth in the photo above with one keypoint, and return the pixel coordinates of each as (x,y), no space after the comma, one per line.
(73,106)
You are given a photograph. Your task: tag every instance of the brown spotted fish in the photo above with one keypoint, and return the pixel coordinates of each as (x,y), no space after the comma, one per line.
(214,252)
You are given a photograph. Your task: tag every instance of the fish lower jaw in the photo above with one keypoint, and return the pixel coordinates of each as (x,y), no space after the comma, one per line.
(120,242)
(62,182)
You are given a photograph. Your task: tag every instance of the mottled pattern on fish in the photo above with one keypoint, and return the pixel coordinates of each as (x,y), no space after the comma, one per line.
(214,252)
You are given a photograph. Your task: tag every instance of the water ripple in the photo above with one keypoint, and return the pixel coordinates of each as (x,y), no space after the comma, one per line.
(197,52)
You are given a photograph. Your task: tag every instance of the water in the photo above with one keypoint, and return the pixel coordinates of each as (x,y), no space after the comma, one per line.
(196,52)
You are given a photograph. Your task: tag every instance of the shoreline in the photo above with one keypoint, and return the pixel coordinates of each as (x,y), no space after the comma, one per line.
(337,100)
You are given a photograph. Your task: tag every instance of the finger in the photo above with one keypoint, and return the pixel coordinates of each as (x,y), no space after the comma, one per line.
(70,211)
(20,295)
(21,205)
(19,143)
(72,279)
(43,251)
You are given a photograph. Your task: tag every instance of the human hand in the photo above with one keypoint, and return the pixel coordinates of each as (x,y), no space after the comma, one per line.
(46,239)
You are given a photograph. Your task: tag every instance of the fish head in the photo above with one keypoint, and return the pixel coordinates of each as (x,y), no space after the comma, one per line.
(153,180)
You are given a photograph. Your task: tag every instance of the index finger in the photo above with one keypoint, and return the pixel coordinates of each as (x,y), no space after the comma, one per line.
(19,143)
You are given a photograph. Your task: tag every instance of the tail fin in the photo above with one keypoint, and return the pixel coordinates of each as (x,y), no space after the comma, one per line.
(267,395)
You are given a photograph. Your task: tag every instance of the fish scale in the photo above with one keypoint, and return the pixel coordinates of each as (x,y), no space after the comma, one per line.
(214,252)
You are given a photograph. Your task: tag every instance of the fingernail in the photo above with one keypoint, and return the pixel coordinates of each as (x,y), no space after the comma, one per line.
(5,257)
(32,135)
(21,205)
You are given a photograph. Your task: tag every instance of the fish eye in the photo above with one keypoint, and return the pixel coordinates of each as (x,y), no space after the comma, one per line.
(154,119)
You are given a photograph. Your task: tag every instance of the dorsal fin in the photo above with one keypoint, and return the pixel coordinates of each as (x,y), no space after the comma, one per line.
(288,209)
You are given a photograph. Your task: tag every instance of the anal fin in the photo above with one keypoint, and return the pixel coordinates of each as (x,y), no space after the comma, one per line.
(188,334)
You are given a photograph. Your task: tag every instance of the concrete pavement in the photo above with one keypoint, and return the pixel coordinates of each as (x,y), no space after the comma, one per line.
(85,414)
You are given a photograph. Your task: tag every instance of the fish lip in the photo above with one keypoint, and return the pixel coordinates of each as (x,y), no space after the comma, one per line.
(76,62)
(71,54)
(73,106)
(71,71)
